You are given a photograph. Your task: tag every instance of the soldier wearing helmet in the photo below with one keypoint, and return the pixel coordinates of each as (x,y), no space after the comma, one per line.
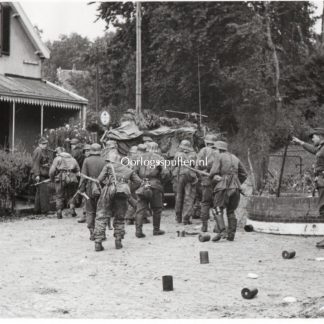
(227,173)
(111,147)
(205,159)
(184,181)
(113,201)
(152,171)
(92,166)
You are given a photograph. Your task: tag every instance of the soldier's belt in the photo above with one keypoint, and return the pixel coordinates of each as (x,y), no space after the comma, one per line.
(121,179)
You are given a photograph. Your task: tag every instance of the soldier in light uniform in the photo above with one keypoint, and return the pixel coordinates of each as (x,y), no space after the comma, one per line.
(111,148)
(227,173)
(40,170)
(185,182)
(64,172)
(317,137)
(114,199)
(92,167)
(86,153)
(205,159)
(150,194)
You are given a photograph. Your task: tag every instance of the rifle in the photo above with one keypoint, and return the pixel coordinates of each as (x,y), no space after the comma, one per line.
(197,171)
(80,193)
(91,179)
(39,183)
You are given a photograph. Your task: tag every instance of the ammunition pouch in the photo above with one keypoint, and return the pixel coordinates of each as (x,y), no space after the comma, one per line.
(67,177)
(145,191)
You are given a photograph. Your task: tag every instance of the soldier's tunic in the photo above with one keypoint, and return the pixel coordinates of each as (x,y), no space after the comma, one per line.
(41,165)
(205,159)
(77,154)
(185,181)
(112,204)
(92,167)
(227,190)
(63,171)
(319,171)
(155,173)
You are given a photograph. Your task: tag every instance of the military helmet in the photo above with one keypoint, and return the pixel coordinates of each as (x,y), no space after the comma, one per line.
(111,144)
(133,149)
(74,141)
(210,139)
(42,140)
(185,145)
(152,147)
(221,145)
(112,157)
(95,149)
(316,131)
(59,149)
(141,148)
(86,147)
(147,139)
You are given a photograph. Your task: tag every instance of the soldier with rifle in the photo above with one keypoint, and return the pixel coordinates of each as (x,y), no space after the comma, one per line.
(92,166)
(64,172)
(317,137)
(40,170)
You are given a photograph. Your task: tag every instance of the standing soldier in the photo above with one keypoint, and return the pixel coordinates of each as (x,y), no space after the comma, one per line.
(92,166)
(185,182)
(111,148)
(317,137)
(205,159)
(86,153)
(152,172)
(64,172)
(40,169)
(77,151)
(228,173)
(114,199)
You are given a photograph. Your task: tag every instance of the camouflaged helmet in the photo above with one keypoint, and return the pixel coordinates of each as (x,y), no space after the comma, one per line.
(147,139)
(221,145)
(111,144)
(316,131)
(185,146)
(95,149)
(152,147)
(113,157)
(210,139)
(141,148)
(74,141)
(86,147)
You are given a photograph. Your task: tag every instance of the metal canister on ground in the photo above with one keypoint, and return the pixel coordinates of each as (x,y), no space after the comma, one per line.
(167,283)
(288,254)
(204,237)
(204,259)
(249,293)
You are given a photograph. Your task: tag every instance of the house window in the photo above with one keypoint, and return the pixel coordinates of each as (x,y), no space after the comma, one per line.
(5,29)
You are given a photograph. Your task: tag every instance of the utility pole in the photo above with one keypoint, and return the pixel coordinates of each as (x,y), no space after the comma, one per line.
(138,59)
(322,32)
(97,80)
(199,93)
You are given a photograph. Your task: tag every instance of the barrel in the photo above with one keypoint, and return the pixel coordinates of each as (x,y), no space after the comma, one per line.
(249,293)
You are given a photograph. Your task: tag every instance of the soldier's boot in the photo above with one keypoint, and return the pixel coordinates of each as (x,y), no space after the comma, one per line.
(146,221)
(156,225)
(178,218)
(118,242)
(219,222)
(232,224)
(73,212)
(91,238)
(130,222)
(98,246)
(139,232)
(204,226)
(186,221)
(83,219)
(320,244)
(109,224)
(59,214)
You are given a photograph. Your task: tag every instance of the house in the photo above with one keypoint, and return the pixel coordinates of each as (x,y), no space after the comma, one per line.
(29,104)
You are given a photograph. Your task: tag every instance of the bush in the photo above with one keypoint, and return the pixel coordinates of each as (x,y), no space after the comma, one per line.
(14,176)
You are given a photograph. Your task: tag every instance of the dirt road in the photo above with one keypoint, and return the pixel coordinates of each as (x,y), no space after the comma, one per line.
(49,269)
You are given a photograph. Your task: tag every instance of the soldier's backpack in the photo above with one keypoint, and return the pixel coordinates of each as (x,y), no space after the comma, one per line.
(119,187)
(66,169)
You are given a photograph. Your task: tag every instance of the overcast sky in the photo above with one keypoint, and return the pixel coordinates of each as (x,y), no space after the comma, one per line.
(55,18)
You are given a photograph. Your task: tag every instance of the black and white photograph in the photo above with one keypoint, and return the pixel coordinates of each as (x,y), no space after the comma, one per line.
(162,160)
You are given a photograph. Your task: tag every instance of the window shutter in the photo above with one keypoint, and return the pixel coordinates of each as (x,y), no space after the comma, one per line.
(5,17)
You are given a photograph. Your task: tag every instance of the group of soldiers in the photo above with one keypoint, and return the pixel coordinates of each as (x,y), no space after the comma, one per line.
(112,189)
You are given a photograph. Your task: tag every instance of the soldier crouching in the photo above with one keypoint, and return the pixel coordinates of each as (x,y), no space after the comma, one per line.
(113,201)
(64,172)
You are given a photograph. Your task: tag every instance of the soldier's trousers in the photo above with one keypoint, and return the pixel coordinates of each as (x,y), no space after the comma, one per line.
(91,211)
(64,193)
(155,203)
(321,201)
(42,200)
(185,198)
(206,202)
(116,207)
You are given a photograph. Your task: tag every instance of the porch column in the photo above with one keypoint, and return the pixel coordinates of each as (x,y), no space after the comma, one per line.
(42,119)
(13,126)
(84,116)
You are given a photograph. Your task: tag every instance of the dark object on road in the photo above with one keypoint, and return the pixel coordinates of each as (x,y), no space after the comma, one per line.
(249,293)
(191,233)
(320,244)
(289,254)
(248,228)
(167,282)
(204,259)
(204,237)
